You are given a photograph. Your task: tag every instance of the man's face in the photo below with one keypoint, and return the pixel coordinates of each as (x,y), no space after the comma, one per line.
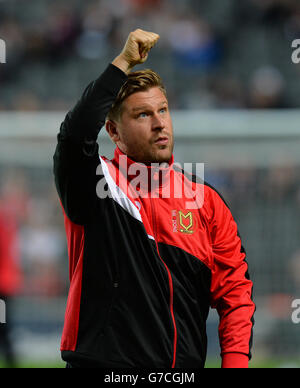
(144,131)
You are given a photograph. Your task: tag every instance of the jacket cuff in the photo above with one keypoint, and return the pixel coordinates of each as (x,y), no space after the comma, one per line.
(235,361)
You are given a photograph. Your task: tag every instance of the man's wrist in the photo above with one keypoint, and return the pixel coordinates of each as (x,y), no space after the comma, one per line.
(122,64)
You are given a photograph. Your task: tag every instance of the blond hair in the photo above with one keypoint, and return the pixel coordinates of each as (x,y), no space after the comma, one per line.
(138,81)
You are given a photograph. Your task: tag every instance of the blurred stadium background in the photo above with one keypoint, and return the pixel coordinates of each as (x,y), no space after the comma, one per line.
(235,96)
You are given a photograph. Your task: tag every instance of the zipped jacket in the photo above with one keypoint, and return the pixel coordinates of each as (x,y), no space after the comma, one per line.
(146,264)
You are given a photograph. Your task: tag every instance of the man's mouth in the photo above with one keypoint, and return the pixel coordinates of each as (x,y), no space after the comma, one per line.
(163,140)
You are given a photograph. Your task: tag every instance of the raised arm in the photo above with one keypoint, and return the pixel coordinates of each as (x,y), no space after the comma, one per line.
(76,156)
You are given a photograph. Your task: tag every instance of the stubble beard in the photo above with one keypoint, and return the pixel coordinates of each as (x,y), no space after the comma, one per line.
(157,156)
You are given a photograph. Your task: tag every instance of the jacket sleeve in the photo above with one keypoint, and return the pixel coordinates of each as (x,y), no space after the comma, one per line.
(231,288)
(76,157)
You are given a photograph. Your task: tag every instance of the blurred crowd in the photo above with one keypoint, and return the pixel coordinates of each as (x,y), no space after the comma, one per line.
(212,54)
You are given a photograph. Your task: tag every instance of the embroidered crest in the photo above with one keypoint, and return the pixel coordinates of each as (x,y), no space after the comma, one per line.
(183,221)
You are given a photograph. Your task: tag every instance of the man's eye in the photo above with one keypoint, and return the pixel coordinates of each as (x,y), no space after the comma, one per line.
(163,110)
(143,115)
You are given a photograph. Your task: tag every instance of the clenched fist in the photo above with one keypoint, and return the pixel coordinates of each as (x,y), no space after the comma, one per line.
(136,50)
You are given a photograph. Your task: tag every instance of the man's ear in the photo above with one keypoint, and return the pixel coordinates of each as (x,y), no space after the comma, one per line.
(111,128)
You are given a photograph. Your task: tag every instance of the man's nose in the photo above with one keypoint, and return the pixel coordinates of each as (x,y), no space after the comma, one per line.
(157,122)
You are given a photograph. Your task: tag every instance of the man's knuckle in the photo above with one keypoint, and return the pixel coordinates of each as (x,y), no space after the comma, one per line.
(134,33)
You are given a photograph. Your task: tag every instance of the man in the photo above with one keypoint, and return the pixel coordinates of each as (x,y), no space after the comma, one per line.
(11,206)
(9,282)
(144,268)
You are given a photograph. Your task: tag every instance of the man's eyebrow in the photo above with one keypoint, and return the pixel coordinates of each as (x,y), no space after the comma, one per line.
(142,107)
(147,107)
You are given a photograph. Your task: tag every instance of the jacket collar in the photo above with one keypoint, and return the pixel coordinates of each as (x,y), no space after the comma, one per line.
(144,178)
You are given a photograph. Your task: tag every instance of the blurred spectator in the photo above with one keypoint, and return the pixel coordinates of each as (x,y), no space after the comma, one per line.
(194,44)
(266,90)
(97,22)
(25,101)
(10,278)
(294,271)
(274,11)
(43,248)
(281,183)
(292,25)
(145,5)
(12,211)
(15,41)
(61,31)
(229,92)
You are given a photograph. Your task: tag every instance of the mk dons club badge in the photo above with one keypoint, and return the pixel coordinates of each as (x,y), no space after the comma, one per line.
(183,222)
